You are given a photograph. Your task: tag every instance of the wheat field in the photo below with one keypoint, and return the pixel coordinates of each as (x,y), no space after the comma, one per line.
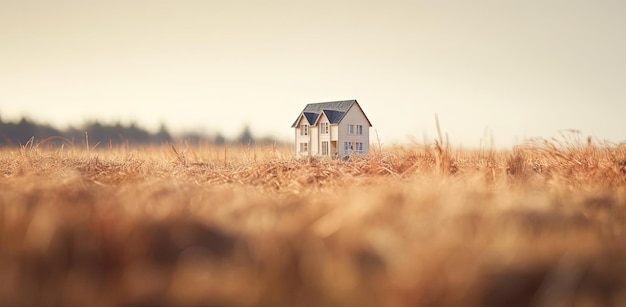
(540,224)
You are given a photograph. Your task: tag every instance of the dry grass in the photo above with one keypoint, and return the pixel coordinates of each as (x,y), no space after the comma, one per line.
(543,224)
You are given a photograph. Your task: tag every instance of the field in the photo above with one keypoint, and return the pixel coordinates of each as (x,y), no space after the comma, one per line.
(542,224)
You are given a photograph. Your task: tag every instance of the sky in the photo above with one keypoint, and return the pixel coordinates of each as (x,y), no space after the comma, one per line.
(491,70)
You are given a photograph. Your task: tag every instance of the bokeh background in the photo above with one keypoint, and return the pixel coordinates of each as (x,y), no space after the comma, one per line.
(492,70)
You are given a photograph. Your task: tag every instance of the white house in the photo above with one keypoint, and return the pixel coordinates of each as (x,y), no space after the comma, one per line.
(336,128)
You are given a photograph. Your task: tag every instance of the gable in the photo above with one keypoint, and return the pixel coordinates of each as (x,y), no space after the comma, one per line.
(323,118)
(297,122)
(363,113)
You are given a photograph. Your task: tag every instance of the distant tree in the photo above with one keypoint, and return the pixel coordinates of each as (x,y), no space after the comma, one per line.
(246,136)
(16,133)
(24,130)
(163,136)
(219,139)
(137,134)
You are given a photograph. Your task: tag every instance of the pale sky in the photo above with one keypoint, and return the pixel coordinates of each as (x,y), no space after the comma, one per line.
(519,69)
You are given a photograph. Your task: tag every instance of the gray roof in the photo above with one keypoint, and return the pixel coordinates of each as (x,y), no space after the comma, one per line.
(334,117)
(334,110)
(311,117)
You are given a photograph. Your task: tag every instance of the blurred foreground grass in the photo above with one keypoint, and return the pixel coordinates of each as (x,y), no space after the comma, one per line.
(543,224)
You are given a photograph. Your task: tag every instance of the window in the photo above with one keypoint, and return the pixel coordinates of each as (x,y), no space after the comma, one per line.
(324,128)
(325,148)
(359,129)
(304,147)
(347,146)
(359,146)
(304,129)
(350,129)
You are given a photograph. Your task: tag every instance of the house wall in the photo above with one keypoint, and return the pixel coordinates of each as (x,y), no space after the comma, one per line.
(355,117)
(302,139)
(295,140)
(334,132)
(314,145)
(323,137)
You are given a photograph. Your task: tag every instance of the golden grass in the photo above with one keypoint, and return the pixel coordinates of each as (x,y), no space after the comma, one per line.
(542,224)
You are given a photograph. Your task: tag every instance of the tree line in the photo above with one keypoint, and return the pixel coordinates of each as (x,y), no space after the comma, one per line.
(98,134)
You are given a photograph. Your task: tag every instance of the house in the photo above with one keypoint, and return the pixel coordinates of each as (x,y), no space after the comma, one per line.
(336,128)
